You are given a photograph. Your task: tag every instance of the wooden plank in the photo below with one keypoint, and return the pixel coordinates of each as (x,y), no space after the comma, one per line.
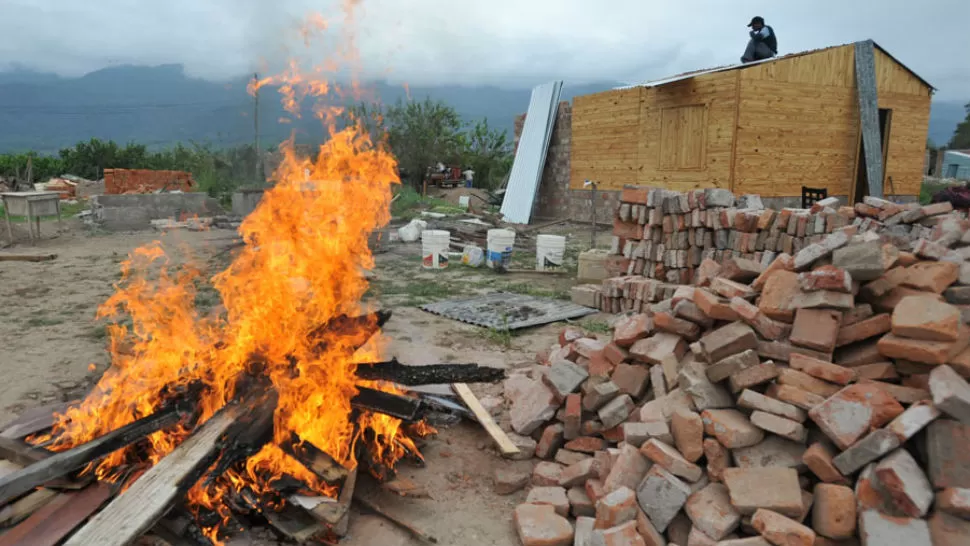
(27,257)
(21,452)
(33,420)
(148,499)
(413,531)
(734,127)
(505,445)
(50,524)
(25,506)
(73,459)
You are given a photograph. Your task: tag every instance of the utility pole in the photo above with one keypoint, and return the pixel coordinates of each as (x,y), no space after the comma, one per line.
(256,125)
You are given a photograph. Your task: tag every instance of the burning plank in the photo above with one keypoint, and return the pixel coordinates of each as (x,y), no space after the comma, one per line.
(432,374)
(58,465)
(152,495)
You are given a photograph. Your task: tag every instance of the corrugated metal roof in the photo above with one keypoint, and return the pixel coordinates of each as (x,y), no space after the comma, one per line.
(530,157)
(688,75)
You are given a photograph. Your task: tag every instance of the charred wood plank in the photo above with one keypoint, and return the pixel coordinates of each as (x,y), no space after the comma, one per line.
(248,434)
(315,460)
(62,463)
(402,407)
(359,329)
(395,372)
(148,499)
(22,453)
(294,522)
(50,524)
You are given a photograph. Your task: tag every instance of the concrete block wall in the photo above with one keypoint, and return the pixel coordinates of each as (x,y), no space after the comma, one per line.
(134,211)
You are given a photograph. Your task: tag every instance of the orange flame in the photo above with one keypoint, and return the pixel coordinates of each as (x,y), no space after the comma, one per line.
(306,250)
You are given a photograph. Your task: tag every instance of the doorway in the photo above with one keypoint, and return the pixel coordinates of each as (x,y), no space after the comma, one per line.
(862,179)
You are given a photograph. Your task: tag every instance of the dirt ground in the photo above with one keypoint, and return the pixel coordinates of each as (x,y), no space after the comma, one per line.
(51,336)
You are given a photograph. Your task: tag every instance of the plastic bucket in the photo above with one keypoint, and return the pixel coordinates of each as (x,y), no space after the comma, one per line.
(549,252)
(472,256)
(434,248)
(500,243)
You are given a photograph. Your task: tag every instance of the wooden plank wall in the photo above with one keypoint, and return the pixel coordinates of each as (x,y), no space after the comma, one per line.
(909,99)
(798,125)
(717,93)
(604,139)
(771,129)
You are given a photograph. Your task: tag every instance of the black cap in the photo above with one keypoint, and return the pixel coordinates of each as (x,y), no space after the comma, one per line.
(758,19)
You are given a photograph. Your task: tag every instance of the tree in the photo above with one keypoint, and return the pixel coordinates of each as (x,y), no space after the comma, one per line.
(489,153)
(422,133)
(961,136)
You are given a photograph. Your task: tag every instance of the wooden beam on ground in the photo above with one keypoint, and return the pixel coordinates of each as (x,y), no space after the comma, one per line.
(17,511)
(32,421)
(22,453)
(27,257)
(505,445)
(413,531)
(376,401)
(152,495)
(62,463)
(54,521)
(431,374)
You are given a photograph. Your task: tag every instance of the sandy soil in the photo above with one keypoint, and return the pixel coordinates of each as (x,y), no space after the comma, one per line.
(51,336)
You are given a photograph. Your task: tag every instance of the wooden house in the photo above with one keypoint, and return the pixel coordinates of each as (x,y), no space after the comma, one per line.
(769,127)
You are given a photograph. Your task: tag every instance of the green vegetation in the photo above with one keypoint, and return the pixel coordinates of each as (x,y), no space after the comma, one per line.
(596,326)
(67,210)
(409,204)
(961,136)
(928,189)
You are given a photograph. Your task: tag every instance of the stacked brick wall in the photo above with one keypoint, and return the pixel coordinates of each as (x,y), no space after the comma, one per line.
(119,181)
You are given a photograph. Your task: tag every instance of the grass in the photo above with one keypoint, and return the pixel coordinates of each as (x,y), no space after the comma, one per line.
(596,326)
(927,190)
(530,289)
(410,203)
(497,336)
(34,322)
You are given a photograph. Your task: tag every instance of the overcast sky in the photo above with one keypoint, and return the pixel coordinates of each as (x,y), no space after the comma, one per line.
(510,43)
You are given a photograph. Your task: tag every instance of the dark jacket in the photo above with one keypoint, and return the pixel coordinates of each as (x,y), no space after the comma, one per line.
(771,41)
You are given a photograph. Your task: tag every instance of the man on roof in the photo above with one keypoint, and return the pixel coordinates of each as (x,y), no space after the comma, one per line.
(763,43)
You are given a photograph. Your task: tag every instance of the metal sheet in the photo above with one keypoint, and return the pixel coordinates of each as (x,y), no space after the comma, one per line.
(530,157)
(865,84)
(504,311)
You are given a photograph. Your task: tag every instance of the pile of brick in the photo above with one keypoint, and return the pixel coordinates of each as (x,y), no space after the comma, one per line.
(819,399)
(666,235)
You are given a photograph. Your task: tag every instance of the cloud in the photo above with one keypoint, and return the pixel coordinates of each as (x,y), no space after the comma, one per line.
(509,43)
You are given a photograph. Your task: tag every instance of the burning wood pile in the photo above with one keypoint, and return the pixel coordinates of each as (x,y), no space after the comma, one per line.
(814,398)
(260,410)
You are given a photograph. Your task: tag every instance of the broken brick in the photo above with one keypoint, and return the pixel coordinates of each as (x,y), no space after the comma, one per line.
(951,393)
(580,504)
(550,442)
(782,531)
(711,511)
(617,507)
(731,428)
(573,417)
(777,295)
(834,511)
(621,535)
(670,459)
(661,495)
(627,471)
(564,377)
(552,496)
(631,379)
(754,400)
(919,350)
(948,453)
(540,525)
(925,317)
(755,375)
(801,380)
(816,329)
(932,277)
(688,434)
(827,277)
(825,371)
(629,330)
(876,529)
(818,458)
(579,473)
(954,500)
(534,405)
(653,349)
(667,322)
(722,369)
(718,459)
(873,446)
(586,444)
(616,411)
(749,490)
(947,530)
(794,396)
(852,412)
(903,479)
(785,428)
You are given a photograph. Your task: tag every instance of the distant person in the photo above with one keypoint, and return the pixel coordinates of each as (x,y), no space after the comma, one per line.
(763,43)
(469,177)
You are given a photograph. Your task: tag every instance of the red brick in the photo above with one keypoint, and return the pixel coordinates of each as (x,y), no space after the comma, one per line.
(627,230)
(826,277)
(786,428)
(794,396)
(834,512)
(782,262)
(782,531)
(706,272)
(904,481)
(578,473)
(864,329)
(877,371)
(778,294)
(615,354)
(666,322)
(573,417)
(928,352)
(932,276)
(540,525)
(586,444)
(630,329)
(550,442)
(925,317)
(634,194)
(713,306)
(752,316)
(740,270)
(954,500)
(627,471)
(857,354)
(825,371)
(852,412)
(816,329)
(688,432)
(547,474)
(621,535)
(570,334)
(947,530)
(718,459)
(750,491)
(730,289)
(711,511)
(600,365)
(728,340)
(795,378)
(551,496)
(652,350)
(631,379)
(818,459)
(671,460)
(888,302)
(752,376)
(731,428)
(616,508)
(119,181)
(588,346)
(595,490)
(579,503)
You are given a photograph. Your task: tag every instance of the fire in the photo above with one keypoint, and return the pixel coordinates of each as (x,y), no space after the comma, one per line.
(306,249)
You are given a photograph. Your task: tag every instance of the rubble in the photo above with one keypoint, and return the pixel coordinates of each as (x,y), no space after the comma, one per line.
(792,377)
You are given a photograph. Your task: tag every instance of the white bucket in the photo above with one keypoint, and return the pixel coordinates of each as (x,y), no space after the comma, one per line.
(434,248)
(549,252)
(464,202)
(500,243)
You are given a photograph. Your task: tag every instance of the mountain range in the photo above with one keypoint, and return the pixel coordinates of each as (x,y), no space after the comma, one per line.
(159,106)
